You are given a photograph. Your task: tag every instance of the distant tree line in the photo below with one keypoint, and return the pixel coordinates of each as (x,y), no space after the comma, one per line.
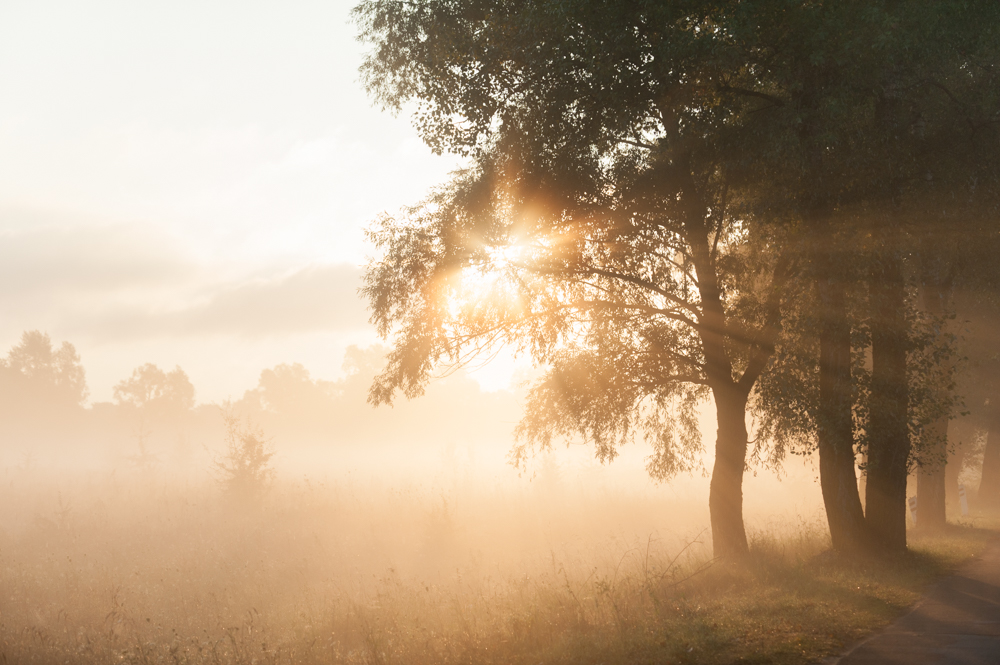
(154,422)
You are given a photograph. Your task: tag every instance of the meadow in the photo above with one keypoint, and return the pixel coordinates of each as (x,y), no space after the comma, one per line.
(138,567)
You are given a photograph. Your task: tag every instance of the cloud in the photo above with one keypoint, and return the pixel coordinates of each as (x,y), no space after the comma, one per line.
(39,260)
(311,299)
(315,298)
(111,283)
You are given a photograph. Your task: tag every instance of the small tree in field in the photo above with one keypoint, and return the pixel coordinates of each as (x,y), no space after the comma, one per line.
(244,469)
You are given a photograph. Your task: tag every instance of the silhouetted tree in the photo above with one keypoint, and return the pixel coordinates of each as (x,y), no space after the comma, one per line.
(887,101)
(289,390)
(35,372)
(978,315)
(244,468)
(643,174)
(155,392)
(604,228)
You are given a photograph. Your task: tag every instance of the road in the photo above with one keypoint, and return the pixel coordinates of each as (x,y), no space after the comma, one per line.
(957,622)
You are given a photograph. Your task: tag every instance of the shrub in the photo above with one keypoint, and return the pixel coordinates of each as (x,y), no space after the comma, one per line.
(244,469)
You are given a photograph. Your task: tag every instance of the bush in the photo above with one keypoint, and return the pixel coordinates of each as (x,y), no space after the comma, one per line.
(244,470)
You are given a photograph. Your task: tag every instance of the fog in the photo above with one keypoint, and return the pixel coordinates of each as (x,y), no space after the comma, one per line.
(121,533)
(211,241)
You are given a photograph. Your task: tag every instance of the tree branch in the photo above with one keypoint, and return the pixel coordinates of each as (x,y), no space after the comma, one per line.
(648,309)
(777,101)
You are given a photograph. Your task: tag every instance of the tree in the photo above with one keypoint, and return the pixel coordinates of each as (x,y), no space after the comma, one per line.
(888,100)
(43,374)
(289,390)
(155,392)
(153,395)
(602,228)
(978,316)
(244,468)
(989,483)
(959,276)
(621,146)
(934,192)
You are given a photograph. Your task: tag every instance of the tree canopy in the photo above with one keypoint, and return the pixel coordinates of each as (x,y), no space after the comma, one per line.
(645,182)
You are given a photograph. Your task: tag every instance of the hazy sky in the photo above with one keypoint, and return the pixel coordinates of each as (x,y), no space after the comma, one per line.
(187,182)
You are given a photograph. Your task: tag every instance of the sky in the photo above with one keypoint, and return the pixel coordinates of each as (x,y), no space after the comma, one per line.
(188,182)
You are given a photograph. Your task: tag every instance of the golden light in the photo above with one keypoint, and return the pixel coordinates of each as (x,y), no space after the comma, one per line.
(487,283)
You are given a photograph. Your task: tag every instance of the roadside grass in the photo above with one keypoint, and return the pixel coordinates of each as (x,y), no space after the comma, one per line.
(347,575)
(790,603)
(799,605)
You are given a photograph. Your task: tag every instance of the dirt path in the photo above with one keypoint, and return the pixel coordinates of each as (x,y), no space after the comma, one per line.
(958,621)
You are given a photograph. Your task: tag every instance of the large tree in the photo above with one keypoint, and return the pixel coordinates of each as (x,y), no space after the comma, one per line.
(608,223)
(645,176)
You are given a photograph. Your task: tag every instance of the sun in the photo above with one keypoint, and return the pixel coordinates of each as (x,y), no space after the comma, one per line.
(488,283)
(505,255)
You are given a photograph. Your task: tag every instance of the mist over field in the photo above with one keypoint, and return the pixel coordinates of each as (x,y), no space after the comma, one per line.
(124,537)
(539,331)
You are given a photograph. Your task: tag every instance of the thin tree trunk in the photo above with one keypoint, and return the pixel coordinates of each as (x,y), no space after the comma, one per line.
(725,497)
(834,422)
(888,427)
(931,475)
(959,435)
(931,485)
(989,486)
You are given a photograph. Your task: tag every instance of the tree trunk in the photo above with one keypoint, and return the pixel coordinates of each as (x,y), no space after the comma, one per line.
(888,426)
(725,497)
(989,486)
(931,475)
(960,433)
(835,426)
(937,295)
(835,420)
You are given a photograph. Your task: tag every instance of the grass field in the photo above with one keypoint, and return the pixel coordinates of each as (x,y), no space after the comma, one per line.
(141,572)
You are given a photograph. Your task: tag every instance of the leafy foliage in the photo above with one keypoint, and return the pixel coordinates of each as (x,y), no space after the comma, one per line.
(600,229)
(646,182)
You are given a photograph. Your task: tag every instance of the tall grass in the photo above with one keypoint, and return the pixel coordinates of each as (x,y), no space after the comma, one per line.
(114,570)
